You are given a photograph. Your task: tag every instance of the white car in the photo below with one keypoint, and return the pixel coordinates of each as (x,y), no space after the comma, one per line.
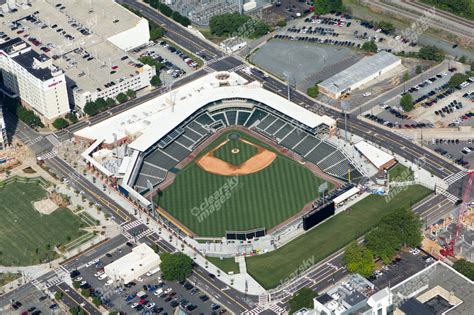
(168,290)
(140,279)
(367,94)
(109,282)
(102,276)
(467,149)
(92,262)
(134,305)
(78,279)
(150,305)
(98,274)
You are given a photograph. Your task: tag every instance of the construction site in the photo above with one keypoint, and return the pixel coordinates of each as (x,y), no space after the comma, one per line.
(452,237)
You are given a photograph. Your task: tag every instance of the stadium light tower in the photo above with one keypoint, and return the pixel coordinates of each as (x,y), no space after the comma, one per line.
(345,105)
(288,76)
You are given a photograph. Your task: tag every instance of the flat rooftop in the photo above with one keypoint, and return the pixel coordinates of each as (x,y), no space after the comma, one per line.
(441,277)
(359,71)
(154,119)
(69,35)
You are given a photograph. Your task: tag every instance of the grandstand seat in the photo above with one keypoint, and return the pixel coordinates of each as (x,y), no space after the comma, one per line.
(255,116)
(242,117)
(275,126)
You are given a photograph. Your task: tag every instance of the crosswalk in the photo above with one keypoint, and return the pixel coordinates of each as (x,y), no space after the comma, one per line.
(277,309)
(448,195)
(35,140)
(451,179)
(53,139)
(130,225)
(238,68)
(48,155)
(210,62)
(208,69)
(254,311)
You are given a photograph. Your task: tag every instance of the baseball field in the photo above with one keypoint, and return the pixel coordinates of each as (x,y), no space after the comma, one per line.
(238,183)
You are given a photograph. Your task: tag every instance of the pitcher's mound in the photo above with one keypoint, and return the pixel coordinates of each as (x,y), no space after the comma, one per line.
(45,206)
(256,163)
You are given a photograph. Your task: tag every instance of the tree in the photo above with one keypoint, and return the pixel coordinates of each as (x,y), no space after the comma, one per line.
(465,267)
(419,69)
(359,259)
(86,293)
(406,226)
(326,6)
(383,242)
(91,108)
(472,66)
(110,102)
(176,266)
(370,46)
(155,80)
(313,91)
(406,102)
(386,26)
(121,97)
(60,123)
(71,117)
(156,31)
(457,79)
(131,93)
(151,62)
(96,301)
(281,23)
(431,53)
(58,295)
(406,77)
(303,298)
(463,59)
(234,24)
(76,284)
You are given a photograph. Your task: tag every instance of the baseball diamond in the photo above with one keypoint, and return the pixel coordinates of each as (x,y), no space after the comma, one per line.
(210,204)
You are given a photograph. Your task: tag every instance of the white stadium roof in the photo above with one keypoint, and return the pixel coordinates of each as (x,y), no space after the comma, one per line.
(149,122)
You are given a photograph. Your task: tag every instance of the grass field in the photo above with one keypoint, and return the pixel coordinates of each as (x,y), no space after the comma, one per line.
(400,173)
(227,264)
(271,268)
(246,151)
(262,199)
(25,233)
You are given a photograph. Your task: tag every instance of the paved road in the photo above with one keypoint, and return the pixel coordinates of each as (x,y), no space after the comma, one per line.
(73,299)
(176,32)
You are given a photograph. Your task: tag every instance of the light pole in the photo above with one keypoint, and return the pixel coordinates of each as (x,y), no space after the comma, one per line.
(345,106)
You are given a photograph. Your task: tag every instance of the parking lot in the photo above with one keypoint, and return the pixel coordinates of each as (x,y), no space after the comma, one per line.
(455,150)
(342,30)
(36,303)
(148,294)
(404,266)
(306,63)
(436,105)
(175,62)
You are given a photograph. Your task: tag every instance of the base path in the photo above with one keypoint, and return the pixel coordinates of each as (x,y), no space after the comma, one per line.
(256,163)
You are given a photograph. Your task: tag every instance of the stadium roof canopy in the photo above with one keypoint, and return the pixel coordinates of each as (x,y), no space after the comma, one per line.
(154,119)
(376,156)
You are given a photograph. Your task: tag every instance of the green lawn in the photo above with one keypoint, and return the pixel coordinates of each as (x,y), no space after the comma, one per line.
(400,173)
(268,269)
(262,199)
(25,233)
(246,151)
(226,264)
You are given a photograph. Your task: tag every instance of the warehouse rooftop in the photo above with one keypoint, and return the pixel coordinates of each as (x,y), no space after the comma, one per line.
(358,72)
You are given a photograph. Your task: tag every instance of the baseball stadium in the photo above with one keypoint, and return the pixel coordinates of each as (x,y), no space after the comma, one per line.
(220,157)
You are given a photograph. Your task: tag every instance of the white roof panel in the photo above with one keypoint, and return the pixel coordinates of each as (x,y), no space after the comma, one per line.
(373,154)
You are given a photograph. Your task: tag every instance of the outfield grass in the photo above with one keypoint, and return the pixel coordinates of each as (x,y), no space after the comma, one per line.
(400,173)
(262,199)
(271,268)
(227,264)
(25,233)
(246,151)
